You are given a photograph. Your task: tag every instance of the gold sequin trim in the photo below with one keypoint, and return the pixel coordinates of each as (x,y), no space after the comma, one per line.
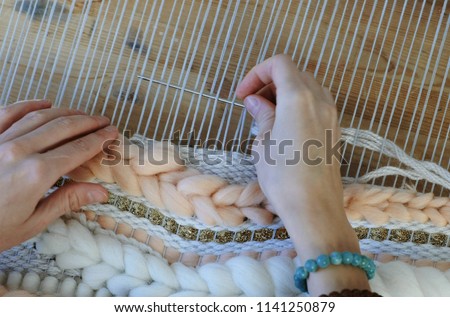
(438,239)
(243,236)
(281,234)
(111,199)
(171,225)
(378,234)
(362,232)
(156,217)
(188,233)
(420,237)
(400,235)
(123,203)
(260,235)
(206,235)
(224,236)
(139,210)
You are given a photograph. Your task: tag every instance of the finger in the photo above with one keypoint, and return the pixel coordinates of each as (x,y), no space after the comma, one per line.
(263,111)
(14,112)
(70,197)
(59,130)
(269,92)
(279,70)
(33,120)
(328,96)
(70,155)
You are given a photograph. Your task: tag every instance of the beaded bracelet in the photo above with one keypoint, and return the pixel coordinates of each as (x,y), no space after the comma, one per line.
(336,258)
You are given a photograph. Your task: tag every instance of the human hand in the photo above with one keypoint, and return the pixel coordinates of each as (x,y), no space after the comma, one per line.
(39,144)
(293,112)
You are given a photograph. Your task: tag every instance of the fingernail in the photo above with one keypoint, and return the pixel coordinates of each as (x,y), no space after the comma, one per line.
(95,196)
(103,118)
(251,103)
(111,128)
(42,101)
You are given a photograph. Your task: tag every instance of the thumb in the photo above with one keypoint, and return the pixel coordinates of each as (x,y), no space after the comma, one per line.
(262,110)
(70,197)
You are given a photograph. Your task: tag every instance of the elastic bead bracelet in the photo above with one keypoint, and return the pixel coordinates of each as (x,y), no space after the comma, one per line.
(335,258)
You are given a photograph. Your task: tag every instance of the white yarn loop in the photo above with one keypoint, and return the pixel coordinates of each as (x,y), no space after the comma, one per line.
(429,171)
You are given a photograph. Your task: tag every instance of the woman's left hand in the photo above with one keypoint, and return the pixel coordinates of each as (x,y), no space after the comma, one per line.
(39,144)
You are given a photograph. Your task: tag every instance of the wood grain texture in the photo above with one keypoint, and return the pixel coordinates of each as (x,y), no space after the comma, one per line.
(385,61)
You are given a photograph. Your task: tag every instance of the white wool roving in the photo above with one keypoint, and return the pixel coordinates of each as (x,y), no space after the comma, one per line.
(135,263)
(58,226)
(73,259)
(161,272)
(52,243)
(154,290)
(189,294)
(189,279)
(30,282)
(96,275)
(111,251)
(13,281)
(377,284)
(83,290)
(49,285)
(119,266)
(219,279)
(103,292)
(401,279)
(251,276)
(120,285)
(82,240)
(282,269)
(68,287)
(431,282)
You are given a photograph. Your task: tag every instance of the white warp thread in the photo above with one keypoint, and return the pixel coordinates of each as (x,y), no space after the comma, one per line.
(113,266)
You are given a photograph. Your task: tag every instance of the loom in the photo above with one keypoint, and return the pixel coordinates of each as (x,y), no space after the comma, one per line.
(167,70)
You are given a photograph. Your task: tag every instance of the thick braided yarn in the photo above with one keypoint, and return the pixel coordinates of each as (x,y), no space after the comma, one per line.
(86,260)
(187,192)
(101,264)
(174,187)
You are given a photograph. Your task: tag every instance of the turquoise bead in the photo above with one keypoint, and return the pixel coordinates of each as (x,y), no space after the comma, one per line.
(347,257)
(301,285)
(357,258)
(300,277)
(323,261)
(301,273)
(311,266)
(364,263)
(336,258)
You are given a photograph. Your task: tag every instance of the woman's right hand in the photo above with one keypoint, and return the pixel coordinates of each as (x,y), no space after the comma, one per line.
(296,171)
(298,118)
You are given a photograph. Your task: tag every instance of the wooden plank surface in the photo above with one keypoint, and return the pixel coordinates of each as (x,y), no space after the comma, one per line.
(385,61)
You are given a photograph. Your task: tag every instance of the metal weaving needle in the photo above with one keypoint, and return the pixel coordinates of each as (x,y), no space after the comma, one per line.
(192,91)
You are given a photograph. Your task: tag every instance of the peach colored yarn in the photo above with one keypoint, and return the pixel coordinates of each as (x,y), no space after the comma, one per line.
(188,193)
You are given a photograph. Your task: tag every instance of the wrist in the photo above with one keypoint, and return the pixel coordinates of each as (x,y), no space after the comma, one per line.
(318,231)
